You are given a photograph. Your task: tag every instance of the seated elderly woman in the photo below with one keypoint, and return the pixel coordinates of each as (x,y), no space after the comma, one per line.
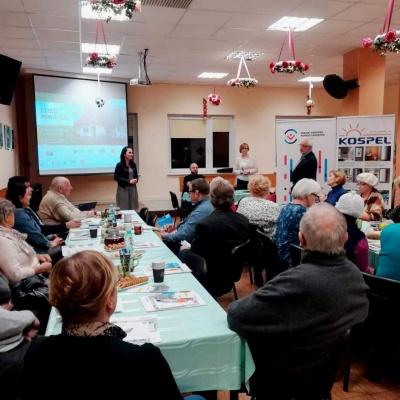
(374,204)
(27,222)
(351,205)
(256,208)
(90,349)
(19,261)
(305,193)
(336,180)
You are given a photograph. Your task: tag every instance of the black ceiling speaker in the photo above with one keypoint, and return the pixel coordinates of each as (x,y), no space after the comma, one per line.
(337,87)
(8,79)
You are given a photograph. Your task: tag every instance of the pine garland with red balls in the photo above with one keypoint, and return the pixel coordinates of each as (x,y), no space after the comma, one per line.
(288,67)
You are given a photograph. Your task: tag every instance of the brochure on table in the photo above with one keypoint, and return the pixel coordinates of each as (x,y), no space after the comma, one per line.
(139,330)
(172,300)
(170,268)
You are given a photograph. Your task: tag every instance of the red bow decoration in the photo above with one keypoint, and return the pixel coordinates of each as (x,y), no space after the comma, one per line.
(214,99)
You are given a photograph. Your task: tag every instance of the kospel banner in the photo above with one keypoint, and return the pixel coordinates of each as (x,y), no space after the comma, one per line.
(289,133)
(366,144)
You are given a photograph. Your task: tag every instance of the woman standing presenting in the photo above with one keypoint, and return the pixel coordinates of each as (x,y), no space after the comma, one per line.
(245,167)
(127,177)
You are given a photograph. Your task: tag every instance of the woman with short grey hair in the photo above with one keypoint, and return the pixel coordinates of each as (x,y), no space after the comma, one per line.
(18,263)
(306,192)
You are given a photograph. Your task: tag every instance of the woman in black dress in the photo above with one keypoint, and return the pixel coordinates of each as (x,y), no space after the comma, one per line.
(127,177)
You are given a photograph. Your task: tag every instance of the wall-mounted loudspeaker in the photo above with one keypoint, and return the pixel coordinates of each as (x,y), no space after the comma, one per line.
(8,78)
(337,87)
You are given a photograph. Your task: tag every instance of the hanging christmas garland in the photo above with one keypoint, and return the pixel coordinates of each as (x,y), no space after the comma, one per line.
(101,61)
(246,82)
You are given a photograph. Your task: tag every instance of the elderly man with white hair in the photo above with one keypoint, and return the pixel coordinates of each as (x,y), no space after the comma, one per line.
(305,193)
(307,165)
(293,322)
(55,207)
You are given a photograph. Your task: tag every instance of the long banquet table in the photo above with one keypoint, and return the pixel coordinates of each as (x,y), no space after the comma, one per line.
(203,353)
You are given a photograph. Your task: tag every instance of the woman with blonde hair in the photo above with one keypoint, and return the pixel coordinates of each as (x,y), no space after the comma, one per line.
(245,166)
(257,208)
(336,180)
(90,359)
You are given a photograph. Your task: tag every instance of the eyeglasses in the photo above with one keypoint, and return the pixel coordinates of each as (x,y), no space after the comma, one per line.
(317,199)
(192,191)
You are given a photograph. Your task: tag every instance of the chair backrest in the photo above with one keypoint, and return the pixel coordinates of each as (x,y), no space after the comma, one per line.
(144,214)
(174,201)
(313,383)
(197,264)
(269,252)
(295,254)
(152,219)
(239,257)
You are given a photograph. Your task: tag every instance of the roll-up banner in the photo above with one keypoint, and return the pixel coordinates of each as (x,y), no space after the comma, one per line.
(289,133)
(352,144)
(366,144)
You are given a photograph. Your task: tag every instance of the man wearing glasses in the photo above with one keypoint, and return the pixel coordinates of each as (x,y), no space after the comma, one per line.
(307,165)
(199,195)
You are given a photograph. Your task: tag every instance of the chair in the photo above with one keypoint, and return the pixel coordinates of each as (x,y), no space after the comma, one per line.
(255,259)
(295,254)
(152,219)
(196,263)
(144,214)
(381,327)
(239,254)
(270,256)
(181,212)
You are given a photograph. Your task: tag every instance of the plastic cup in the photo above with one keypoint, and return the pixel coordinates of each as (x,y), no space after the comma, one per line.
(93,233)
(158,267)
(127,226)
(128,217)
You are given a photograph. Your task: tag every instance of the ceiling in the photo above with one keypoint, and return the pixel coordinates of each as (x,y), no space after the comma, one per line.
(46,35)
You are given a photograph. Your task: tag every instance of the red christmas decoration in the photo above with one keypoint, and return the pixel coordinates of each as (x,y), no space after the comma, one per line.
(204,108)
(214,99)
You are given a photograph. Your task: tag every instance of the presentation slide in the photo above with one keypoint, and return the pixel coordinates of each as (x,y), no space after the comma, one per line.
(75,135)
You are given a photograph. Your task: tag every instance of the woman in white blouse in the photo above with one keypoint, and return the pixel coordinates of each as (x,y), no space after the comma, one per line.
(245,167)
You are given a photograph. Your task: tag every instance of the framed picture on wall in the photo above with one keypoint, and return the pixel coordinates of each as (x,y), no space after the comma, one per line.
(359,153)
(7,137)
(1,135)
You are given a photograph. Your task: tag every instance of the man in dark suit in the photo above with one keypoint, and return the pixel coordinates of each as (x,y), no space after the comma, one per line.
(194,174)
(216,235)
(307,165)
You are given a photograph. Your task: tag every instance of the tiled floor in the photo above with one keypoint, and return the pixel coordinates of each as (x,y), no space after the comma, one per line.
(359,389)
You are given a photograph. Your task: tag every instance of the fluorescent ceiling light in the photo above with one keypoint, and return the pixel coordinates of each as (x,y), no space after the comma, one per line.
(210,75)
(91,70)
(312,79)
(247,55)
(100,48)
(87,12)
(294,23)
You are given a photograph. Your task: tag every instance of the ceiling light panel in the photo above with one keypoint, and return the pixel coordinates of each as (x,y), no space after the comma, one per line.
(247,55)
(294,24)
(100,48)
(213,75)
